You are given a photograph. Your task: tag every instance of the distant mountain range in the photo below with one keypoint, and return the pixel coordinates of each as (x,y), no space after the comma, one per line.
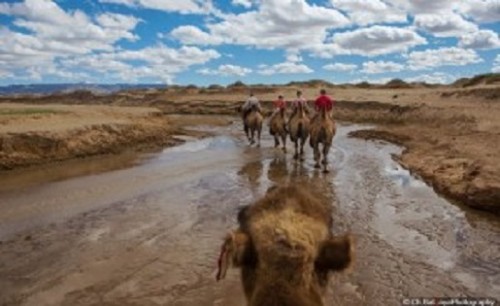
(67,88)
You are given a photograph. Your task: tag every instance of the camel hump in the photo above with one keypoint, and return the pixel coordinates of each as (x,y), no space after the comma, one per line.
(323,112)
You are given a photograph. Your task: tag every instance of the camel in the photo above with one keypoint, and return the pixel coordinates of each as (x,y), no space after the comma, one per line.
(322,131)
(285,249)
(253,124)
(299,130)
(277,129)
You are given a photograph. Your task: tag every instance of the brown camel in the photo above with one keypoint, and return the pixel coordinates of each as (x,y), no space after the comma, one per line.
(285,249)
(322,131)
(253,125)
(299,130)
(277,128)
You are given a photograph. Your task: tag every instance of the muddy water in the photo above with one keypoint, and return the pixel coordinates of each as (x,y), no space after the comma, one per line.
(149,233)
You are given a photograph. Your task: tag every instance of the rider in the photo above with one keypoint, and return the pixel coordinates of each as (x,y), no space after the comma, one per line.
(323,102)
(279,105)
(251,102)
(299,101)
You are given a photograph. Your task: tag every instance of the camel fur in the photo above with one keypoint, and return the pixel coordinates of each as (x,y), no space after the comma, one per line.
(299,131)
(285,249)
(253,125)
(322,132)
(277,128)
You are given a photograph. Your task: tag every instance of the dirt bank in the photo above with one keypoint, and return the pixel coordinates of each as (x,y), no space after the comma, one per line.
(35,134)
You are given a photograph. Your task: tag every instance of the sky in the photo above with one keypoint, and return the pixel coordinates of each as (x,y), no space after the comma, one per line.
(254,41)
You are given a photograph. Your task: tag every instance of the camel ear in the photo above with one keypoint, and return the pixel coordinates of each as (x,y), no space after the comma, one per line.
(232,253)
(335,254)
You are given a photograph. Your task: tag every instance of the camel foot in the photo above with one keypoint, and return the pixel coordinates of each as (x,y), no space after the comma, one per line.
(326,170)
(295,156)
(284,149)
(302,158)
(317,166)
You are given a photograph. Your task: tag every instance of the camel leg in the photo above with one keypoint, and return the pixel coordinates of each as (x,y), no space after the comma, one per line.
(326,149)
(296,144)
(283,138)
(316,155)
(276,141)
(252,136)
(259,130)
(302,143)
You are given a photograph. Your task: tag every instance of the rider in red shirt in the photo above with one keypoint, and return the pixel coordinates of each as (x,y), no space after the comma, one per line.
(323,101)
(280,103)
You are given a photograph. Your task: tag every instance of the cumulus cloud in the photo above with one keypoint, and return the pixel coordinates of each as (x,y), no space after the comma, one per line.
(377,40)
(340,67)
(73,32)
(226,70)
(453,56)
(158,62)
(444,25)
(191,35)
(482,11)
(284,68)
(180,6)
(381,67)
(289,24)
(50,33)
(370,80)
(483,39)
(432,78)
(496,65)
(245,3)
(365,12)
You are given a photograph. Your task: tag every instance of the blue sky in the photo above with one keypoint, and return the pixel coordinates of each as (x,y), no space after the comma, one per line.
(255,41)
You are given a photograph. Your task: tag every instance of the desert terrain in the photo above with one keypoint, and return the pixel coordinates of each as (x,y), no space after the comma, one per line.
(124,199)
(450,133)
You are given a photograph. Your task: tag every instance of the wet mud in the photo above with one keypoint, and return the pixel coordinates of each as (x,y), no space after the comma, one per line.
(147,231)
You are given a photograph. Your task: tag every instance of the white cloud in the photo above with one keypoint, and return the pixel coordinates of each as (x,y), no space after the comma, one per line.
(245,3)
(226,70)
(453,56)
(496,64)
(381,67)
(433,78)
(482,11)
(425,6)
(51,33)
(159,62)
(444,24)
(365,12)
(370,80)
(483,39)
(340,67)
(294,57)
(180,6)
(191,35)
(56,31)
(289,24)
(284,68)
(377,40)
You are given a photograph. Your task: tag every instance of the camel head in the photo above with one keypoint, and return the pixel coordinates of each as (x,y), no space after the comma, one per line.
(285,255)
